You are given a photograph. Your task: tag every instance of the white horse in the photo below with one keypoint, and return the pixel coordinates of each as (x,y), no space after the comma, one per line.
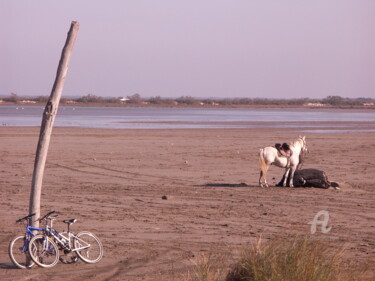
(270,156)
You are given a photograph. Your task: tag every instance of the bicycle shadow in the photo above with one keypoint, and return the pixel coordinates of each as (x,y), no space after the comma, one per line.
(7,266)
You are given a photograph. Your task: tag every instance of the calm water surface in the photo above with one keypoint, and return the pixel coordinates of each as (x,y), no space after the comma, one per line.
(180,118)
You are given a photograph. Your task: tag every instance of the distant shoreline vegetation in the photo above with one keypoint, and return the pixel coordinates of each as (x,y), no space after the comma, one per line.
(187,101)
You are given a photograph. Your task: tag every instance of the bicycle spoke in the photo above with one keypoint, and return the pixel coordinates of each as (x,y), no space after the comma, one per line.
(43,251)
(88,247)
(18,253)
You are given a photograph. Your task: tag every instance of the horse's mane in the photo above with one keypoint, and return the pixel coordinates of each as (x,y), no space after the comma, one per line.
(293,143)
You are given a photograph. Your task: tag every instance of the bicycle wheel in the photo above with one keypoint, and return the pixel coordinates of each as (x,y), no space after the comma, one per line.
(43,251)
(18,252)
(88,247)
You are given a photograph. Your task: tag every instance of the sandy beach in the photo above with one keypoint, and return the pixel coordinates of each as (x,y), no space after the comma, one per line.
(113,182)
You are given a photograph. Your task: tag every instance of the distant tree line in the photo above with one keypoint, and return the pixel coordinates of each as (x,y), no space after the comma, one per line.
(137,100)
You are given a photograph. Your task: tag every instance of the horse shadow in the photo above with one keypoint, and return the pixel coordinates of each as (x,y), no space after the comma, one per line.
(226,185)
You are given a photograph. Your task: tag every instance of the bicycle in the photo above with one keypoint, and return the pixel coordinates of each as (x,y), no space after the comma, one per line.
(19,246)
(85,244)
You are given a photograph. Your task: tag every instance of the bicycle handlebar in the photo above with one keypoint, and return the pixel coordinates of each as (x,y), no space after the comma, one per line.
(40,219)
(25,218)
(47,215)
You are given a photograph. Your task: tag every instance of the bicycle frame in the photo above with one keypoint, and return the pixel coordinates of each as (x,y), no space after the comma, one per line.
(51,241)
(66,241)
(29,230)
(29,233)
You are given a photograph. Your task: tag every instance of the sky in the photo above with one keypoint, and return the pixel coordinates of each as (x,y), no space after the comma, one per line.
(199,48)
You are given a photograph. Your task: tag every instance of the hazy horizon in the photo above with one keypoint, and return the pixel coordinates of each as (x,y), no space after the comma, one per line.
(204,49)
(193,97)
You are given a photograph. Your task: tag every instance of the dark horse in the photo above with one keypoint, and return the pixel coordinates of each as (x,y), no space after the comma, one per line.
(310,178)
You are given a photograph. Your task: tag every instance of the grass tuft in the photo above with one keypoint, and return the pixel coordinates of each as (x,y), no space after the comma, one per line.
(207,268)
(301,259)
(291,259)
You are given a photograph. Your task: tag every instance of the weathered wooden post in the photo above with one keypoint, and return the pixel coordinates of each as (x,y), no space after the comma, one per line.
(49,115)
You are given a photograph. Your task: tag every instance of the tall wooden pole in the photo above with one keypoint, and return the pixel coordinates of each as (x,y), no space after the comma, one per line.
(49,115)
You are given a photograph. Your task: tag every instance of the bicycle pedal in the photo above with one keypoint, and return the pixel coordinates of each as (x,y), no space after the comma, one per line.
(72,260)
(63,260)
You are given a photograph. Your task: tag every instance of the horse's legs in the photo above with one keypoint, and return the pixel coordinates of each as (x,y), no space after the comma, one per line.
(263,169)
(286,176)
(260,178)
(263,175)
(292,170)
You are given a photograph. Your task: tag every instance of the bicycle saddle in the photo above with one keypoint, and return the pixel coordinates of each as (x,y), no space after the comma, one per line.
(70,221)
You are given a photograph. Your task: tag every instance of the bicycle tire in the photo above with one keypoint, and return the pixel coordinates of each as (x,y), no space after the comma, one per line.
(18,252)
(93,248)
(41,256)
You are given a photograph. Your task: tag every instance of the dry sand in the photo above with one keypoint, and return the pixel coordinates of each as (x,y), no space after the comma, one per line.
(113,181)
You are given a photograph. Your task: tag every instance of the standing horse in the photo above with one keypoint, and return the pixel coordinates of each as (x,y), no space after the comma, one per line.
(270,156)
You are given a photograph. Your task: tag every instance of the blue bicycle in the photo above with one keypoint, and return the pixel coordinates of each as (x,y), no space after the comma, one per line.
(19,246)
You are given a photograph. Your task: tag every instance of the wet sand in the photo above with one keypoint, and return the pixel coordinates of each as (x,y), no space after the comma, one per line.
(113,181)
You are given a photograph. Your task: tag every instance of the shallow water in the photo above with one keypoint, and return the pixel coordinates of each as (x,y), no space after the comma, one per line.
(316,120)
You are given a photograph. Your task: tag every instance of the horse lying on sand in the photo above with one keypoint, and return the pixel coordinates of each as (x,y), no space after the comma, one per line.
(270,156)
(311,178)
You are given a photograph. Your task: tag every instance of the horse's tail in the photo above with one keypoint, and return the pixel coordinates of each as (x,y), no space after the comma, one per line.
(262,163)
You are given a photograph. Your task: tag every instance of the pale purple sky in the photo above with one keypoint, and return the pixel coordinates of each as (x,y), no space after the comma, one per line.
(199,48)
